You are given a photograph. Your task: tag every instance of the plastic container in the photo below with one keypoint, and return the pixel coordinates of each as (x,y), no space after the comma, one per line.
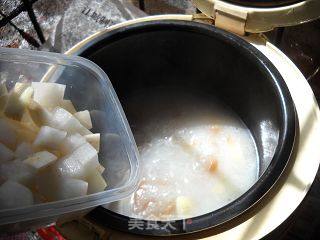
(89,88)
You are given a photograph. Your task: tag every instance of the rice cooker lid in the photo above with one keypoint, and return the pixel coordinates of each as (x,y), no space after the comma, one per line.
(256,16)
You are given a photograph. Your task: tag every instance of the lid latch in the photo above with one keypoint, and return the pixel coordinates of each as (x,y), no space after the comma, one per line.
(230,20)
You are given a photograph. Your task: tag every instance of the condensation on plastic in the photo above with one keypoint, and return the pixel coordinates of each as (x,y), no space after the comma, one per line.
(88,87)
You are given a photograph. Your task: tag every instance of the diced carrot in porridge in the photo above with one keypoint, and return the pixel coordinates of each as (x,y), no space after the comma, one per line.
(213,165)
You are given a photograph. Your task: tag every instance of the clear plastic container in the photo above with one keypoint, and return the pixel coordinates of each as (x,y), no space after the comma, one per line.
(89,88)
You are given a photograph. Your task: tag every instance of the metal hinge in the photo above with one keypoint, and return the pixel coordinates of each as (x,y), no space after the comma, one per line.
(226,18)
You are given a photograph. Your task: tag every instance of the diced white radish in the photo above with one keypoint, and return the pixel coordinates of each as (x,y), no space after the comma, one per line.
(79,163)
(39,115)
(26,96)
(68,105)
(14,195)
(23,150)
(49,137)
(19,87)
(3,89)
(45,182)
(64,120)
(94,140)
(38,198)
(60,188)
(14,107)
(27,119)
(5,153)
(48,95)
(96,182)
(71,142)
(183,206)
(3,102)
(24,133)
(40,159)
(17,171)
(100,169)
(84,118)
(70,188)
(7,133)
(87,156)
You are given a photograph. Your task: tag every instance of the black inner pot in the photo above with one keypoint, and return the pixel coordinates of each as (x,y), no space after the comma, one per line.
(196,57)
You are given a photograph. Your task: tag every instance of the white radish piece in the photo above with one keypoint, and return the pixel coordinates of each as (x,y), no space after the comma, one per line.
(64,188)
(23,132)
(45,182)
(19,87)
(49,137)
(39,115)
(3,89)
(40,159)
(7,133)
(23,150)
(14,107)
(71,142)
(70,188)
(94,140)
(53,187)
(14,195)
(100,169)
(27,120)
(48,95)
(17,171)
(79,163)
(26,96)
(3,102)
(84,118)
(64,120)
(5,154)
(184,206)
(68,105)
(96,182)
(25,135)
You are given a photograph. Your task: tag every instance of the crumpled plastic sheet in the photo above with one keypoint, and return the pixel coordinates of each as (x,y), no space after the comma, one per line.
(64,22)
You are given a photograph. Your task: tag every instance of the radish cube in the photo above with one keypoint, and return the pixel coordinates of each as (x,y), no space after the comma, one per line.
(40,159)
(96,182)
(3,89)
(70,188)
(7,133)
(17,171)
(84,118)
(49,137)
(39,115)
(48,95)
(26,96)
(3,102)
(23,150)
(27,120)
(19,87)
(79,163)
(14,195)
(67,105)
(100,168)
(94,140)
(5,153)
(14,107)
(53,187)
(72,142)
(64,120)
